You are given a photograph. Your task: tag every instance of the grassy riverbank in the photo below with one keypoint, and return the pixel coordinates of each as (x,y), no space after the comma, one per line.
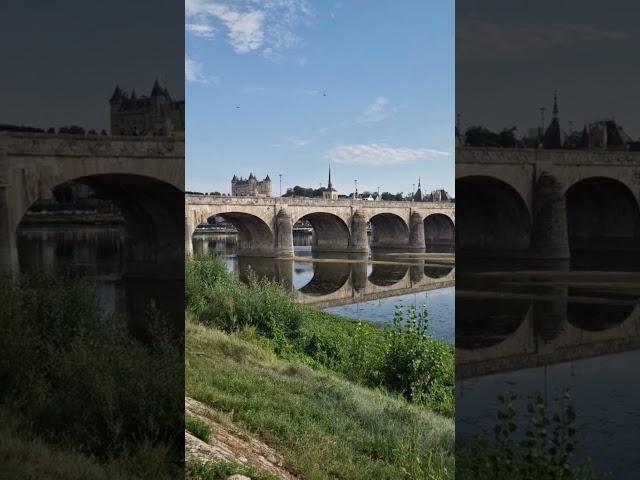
(337,398)
(79,397)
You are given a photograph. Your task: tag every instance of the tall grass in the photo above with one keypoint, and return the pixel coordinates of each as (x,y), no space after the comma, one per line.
(321,424)
(74,376)
(399,358)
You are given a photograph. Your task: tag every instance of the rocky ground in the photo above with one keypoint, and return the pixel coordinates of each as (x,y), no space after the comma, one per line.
(228,442)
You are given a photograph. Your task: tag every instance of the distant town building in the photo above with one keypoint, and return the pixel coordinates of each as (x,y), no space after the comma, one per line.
(250,187)
(157,114)
(440,195)
(330,193)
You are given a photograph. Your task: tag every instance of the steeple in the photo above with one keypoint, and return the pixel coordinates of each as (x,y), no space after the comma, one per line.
(329,186)
(555,104)
(157,89)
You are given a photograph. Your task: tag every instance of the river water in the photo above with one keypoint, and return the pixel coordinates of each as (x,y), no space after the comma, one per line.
(526,327)
(97,254)
(365,289)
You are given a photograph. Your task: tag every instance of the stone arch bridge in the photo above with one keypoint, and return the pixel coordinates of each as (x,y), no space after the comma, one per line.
(546,203)
(265,225)
(143,177)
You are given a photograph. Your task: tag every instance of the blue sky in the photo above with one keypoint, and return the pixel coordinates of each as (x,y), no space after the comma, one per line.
(291,86)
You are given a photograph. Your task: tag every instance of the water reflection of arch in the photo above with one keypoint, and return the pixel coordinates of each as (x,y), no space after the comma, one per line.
(388,230)
(545,337)
(484,323)
(387,274)
(275,270)
(492,217)
(328,277)
(602,214)
(437,271)
(255,237)
(330,232)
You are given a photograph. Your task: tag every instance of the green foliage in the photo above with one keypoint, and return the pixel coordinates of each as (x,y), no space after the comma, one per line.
(216,298)
(323,425)
(401,358)
(198,428)
(545,452)
(76,376)
(477,136)
(415,365)
(221,469)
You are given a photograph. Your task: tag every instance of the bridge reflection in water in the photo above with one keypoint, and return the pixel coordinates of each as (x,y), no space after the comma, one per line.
(545,326)
(332,279)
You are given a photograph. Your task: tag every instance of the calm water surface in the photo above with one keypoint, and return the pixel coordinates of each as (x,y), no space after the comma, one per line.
(97,254)
(365,289)
(531,327)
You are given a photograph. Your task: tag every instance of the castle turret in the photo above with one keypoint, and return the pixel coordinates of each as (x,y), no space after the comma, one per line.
(157,89)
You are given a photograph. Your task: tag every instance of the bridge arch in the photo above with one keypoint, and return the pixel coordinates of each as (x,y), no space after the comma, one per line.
(388,230)
(152,210)
(439,229)
(255,237)
(330,232)
(602,214)
(493,218)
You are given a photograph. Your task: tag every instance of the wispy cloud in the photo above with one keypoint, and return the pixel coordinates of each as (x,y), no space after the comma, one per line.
(250,88)
(378,110)
(194,72)
(298,142)
(268,26)
(479,39)
(375,155)
(307,91)
(200,30)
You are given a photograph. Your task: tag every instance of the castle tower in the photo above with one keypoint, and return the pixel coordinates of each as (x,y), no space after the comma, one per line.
(115,102)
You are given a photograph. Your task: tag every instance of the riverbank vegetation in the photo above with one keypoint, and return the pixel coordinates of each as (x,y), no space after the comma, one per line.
(72,376)
(538,448)
(337,398)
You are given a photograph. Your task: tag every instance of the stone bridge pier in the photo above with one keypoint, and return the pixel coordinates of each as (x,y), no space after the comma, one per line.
(265,225)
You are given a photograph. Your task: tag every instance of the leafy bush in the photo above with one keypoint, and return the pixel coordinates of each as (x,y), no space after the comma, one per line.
(418,367)
(216,298)
(77,376)
(545,452)
(198,428)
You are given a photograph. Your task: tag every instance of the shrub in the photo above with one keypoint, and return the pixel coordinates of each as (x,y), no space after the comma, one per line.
(418,367)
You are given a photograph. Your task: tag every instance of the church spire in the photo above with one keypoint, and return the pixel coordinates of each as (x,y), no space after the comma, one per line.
(329,186)
(555,104)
